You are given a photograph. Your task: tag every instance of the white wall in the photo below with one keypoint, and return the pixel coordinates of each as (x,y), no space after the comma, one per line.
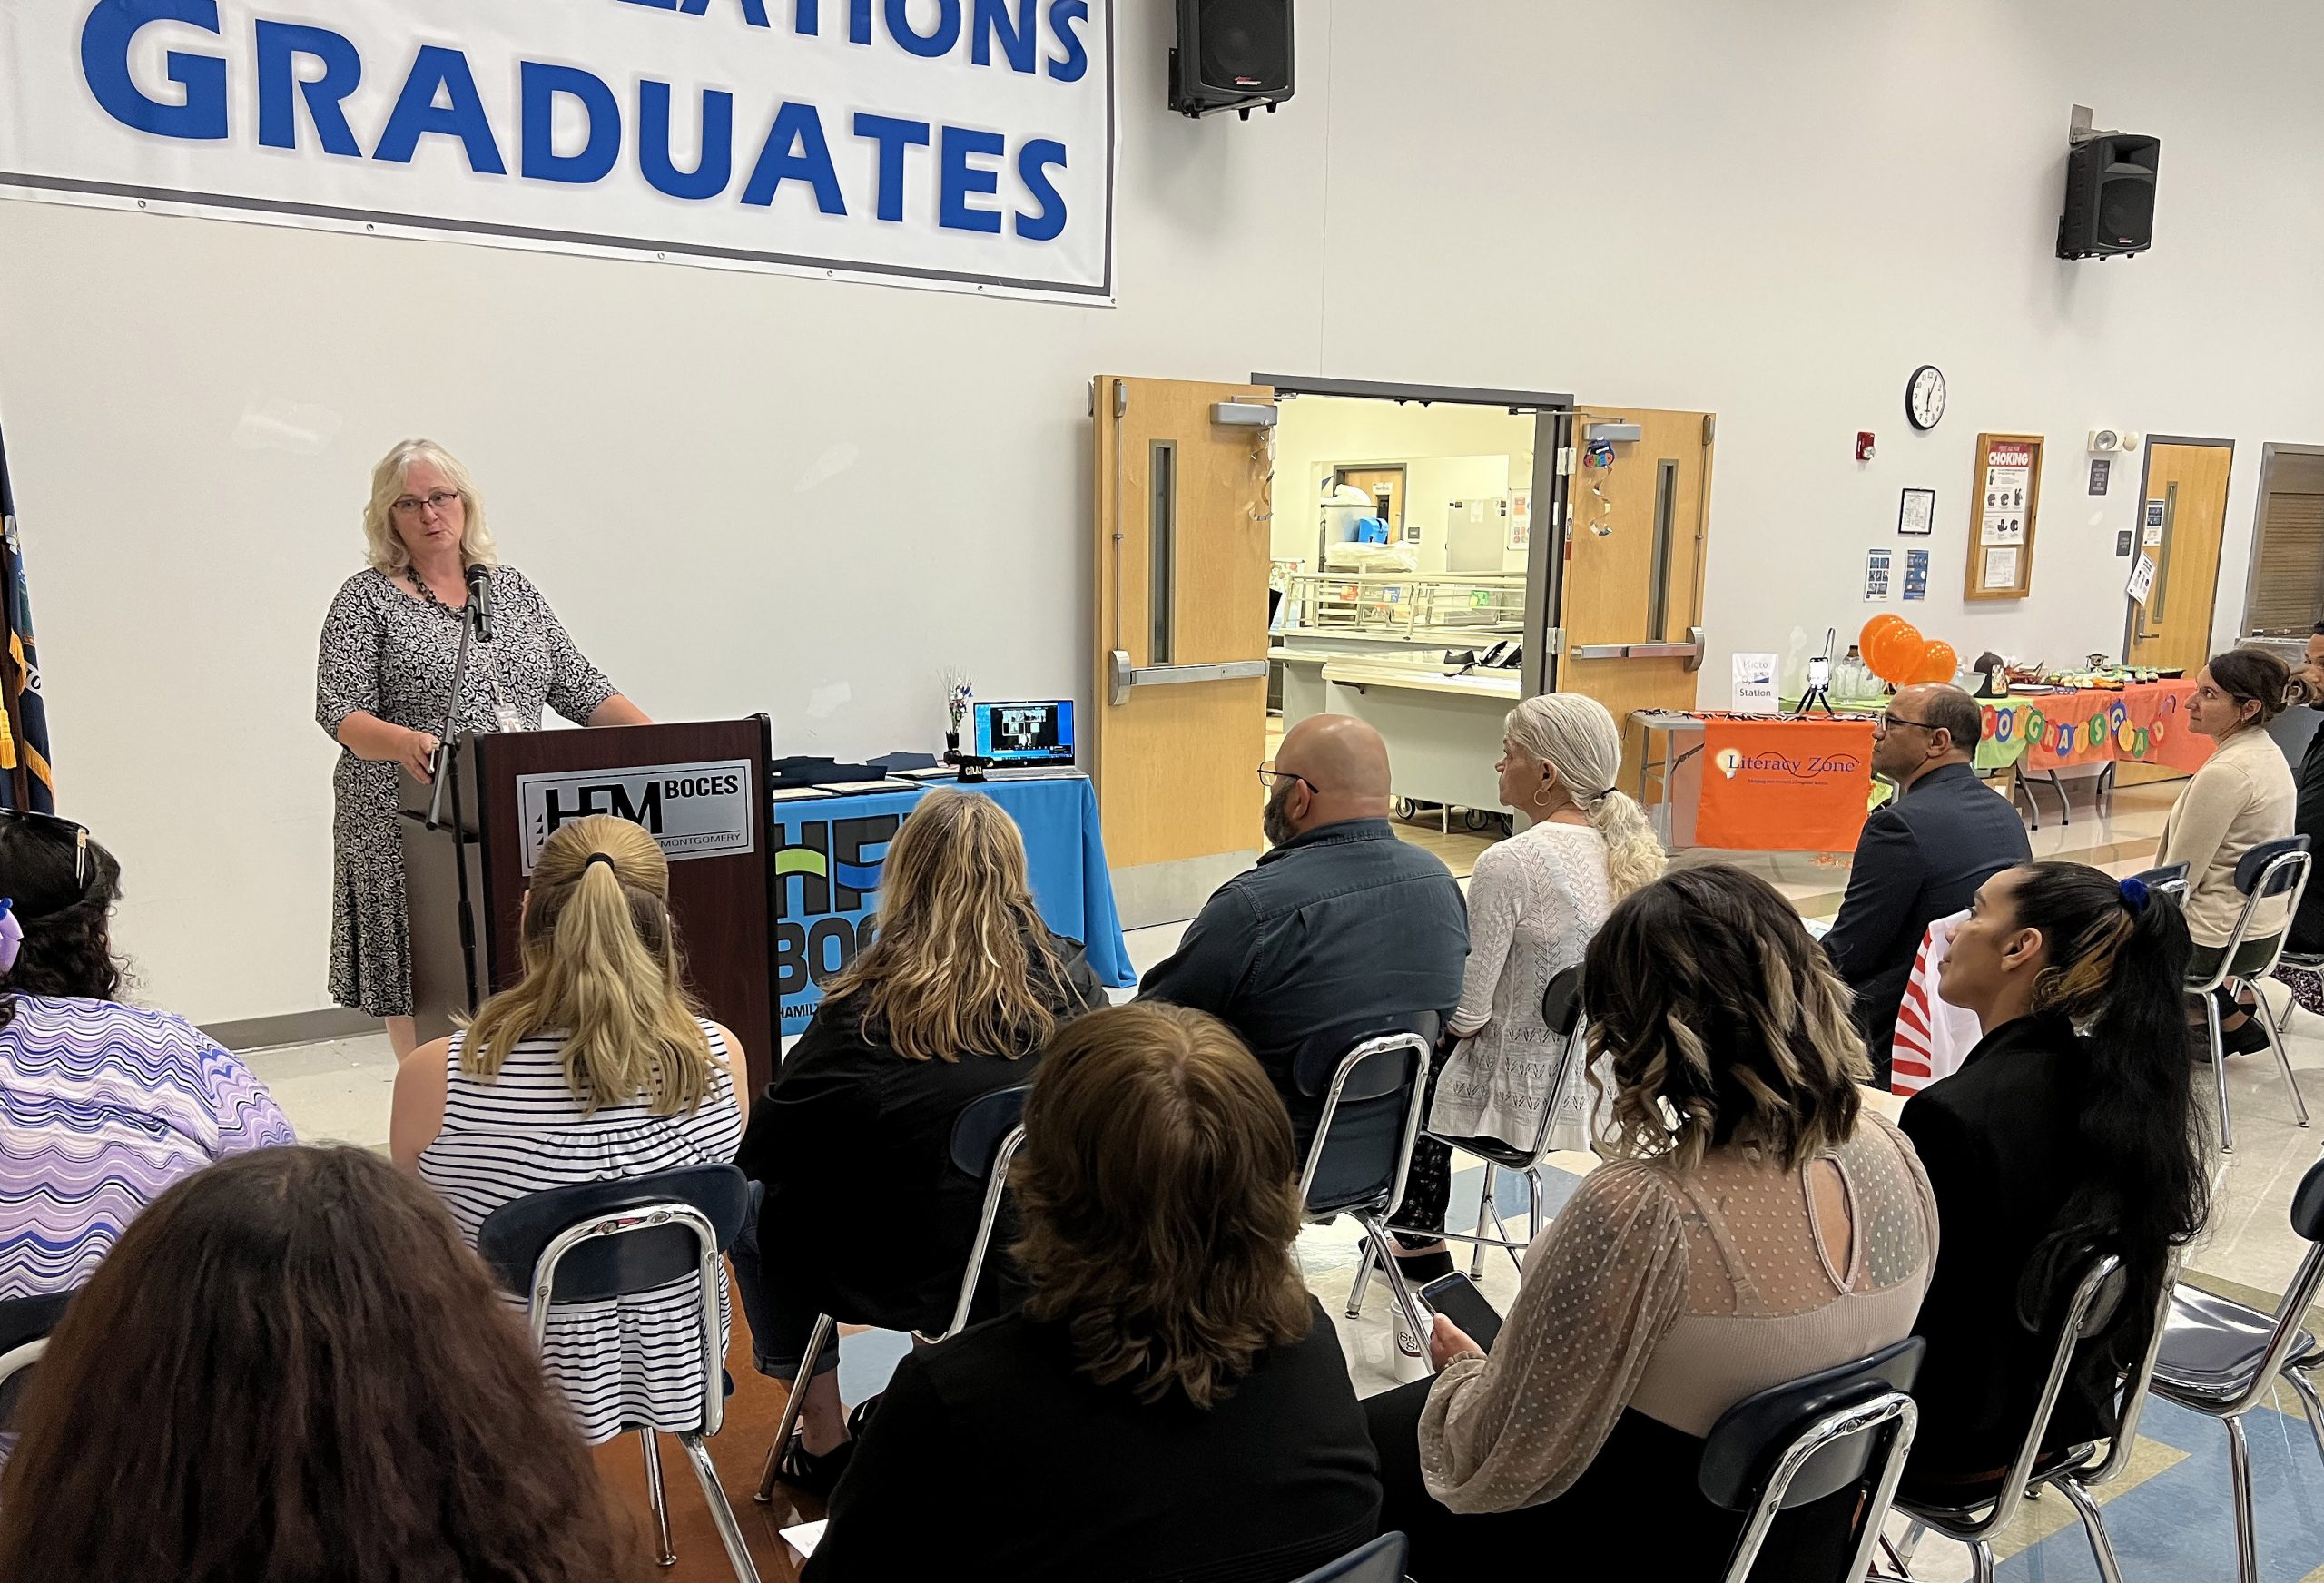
(748,493)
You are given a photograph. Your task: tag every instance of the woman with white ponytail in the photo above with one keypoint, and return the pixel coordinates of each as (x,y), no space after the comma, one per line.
(594,1065)
(1534,904)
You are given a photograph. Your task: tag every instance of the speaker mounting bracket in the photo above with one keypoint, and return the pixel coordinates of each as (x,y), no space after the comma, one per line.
(2079,127)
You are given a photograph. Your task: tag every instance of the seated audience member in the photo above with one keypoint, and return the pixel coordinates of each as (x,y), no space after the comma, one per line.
(1343,926)
(2308,818)
(864,1216)
(2070,1130)
(2243,796)
(1921,858)
(1171,1402)
(1535,901)
(1755,1223)
(101,1105)
(302,1374)
(593,1068)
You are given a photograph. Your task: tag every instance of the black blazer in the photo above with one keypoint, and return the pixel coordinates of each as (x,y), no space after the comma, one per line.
(2308,820)
(992,1457)
(2000,1144)
(851,1135)
(1918,860)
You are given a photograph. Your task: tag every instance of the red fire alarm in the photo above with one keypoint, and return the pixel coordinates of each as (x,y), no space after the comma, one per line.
(1863,445)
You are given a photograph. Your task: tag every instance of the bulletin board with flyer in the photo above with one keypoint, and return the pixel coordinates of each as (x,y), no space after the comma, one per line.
(2003,502)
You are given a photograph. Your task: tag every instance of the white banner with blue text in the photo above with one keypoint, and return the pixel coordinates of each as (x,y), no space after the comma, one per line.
(963,145)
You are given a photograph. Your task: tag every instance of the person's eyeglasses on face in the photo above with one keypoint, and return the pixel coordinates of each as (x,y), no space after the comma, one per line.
(1270,777)
(439,502)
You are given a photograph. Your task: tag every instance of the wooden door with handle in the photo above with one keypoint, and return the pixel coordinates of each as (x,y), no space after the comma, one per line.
(1629,589)
(1182,539)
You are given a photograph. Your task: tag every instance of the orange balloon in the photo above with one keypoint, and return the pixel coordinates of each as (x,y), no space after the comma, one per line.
(1896,653)
(1938,662)
(1886,622)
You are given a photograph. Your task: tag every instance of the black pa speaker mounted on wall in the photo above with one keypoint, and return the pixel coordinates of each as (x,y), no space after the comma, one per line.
(1231,55)
(2109,196)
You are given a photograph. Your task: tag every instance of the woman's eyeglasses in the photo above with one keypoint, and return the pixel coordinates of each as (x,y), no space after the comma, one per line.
(55,822)
(441,501)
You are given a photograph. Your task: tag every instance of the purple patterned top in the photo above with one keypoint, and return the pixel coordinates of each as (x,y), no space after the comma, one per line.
(102,1106)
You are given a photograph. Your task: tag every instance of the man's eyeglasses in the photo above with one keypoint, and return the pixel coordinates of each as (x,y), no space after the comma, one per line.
(51,821)
(438,502)
(1889,718)
(1270,777)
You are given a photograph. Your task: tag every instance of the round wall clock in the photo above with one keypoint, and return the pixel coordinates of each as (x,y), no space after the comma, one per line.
(1924,397)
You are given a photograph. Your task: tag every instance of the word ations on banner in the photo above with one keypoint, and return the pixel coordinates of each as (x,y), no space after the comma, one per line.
(962,144)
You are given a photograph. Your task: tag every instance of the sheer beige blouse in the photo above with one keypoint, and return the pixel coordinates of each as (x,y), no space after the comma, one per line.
(1679,1296)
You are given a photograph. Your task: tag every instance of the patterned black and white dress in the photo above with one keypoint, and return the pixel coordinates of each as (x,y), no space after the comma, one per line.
(387,653)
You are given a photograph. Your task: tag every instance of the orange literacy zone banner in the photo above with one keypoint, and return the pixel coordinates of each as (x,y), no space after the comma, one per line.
(1784,785)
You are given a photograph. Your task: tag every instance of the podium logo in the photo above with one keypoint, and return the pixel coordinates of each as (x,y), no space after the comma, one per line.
(692,811)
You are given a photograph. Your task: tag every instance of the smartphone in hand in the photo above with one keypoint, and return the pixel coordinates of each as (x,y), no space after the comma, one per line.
(1456,1297)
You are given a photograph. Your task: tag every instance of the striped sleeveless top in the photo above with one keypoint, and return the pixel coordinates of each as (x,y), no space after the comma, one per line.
(623,1364)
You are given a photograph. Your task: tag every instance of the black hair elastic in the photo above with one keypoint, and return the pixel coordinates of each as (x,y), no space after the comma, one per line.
(604,858)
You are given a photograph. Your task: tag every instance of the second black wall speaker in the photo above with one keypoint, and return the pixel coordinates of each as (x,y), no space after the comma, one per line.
(1232,54)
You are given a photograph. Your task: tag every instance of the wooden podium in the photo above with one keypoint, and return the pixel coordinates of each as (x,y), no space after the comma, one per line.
(700,788)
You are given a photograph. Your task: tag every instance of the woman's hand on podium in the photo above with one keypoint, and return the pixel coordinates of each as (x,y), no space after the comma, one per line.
(418,756)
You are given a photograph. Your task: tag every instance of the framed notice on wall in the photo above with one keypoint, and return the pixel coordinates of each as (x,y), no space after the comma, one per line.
(2004,497)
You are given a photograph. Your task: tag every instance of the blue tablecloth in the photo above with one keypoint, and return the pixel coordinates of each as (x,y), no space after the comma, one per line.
(828,855)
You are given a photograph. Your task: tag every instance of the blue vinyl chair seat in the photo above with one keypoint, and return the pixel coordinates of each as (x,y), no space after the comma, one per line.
(2212,1345)
(1380,1561)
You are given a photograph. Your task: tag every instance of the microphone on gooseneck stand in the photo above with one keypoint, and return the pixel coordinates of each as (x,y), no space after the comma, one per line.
(480,600)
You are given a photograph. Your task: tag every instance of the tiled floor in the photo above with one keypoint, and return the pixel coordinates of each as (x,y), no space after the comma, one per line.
(2169,1513)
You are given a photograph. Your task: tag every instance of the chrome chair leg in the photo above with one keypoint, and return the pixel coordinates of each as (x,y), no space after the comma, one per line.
(2239,1463)
(2310,1406)
(656,1498)
(722,1515)
(1408,1307)
(1981,1552)
(1485,1211)
(1362,1283)
(2283,1057)
(2218,1072)
(792,1406)
(2094,1525)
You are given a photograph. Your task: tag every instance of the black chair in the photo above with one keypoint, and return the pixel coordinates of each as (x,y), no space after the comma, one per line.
(2222,1359)
(1562,1014)
(1380,1561)
(2169,880)
(24,1326)
(1973,1514)
(1793,1444)
(1374,1086)
(986,1135)
(2270,869)
(597,1241)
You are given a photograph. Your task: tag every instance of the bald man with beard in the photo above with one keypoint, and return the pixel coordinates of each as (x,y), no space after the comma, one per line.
(1342,924)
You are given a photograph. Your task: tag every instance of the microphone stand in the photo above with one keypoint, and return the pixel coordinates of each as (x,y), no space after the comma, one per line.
(442,769)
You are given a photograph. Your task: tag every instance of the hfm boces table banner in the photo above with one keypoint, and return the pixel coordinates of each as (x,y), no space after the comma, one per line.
(1784,785)
(958,143)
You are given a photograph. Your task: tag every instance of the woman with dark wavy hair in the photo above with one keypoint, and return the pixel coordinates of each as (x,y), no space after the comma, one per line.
(1171,1402)
(2070,1130)
(292,1368)
(102,1104)
(1754,1223)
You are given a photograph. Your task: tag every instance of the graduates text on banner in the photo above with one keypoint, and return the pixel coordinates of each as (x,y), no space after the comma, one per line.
(958,143)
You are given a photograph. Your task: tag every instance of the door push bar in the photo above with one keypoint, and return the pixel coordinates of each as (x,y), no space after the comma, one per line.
(1125,675)
(1692,651)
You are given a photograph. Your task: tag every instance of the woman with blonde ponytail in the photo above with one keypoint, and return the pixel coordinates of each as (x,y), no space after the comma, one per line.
(594,1065)
(1534,904)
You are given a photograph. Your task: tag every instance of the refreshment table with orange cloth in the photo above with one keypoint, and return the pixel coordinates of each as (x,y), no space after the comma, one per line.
(2142,722)
(1755,782)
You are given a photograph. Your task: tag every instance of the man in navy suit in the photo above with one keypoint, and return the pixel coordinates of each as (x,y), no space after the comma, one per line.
(1921,857)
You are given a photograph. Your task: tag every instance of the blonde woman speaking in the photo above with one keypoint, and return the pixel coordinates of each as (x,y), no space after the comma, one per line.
(1534,903)
(383,685)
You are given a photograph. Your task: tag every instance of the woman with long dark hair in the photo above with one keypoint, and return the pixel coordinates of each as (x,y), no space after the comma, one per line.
(2070,1130)
(291,1369)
